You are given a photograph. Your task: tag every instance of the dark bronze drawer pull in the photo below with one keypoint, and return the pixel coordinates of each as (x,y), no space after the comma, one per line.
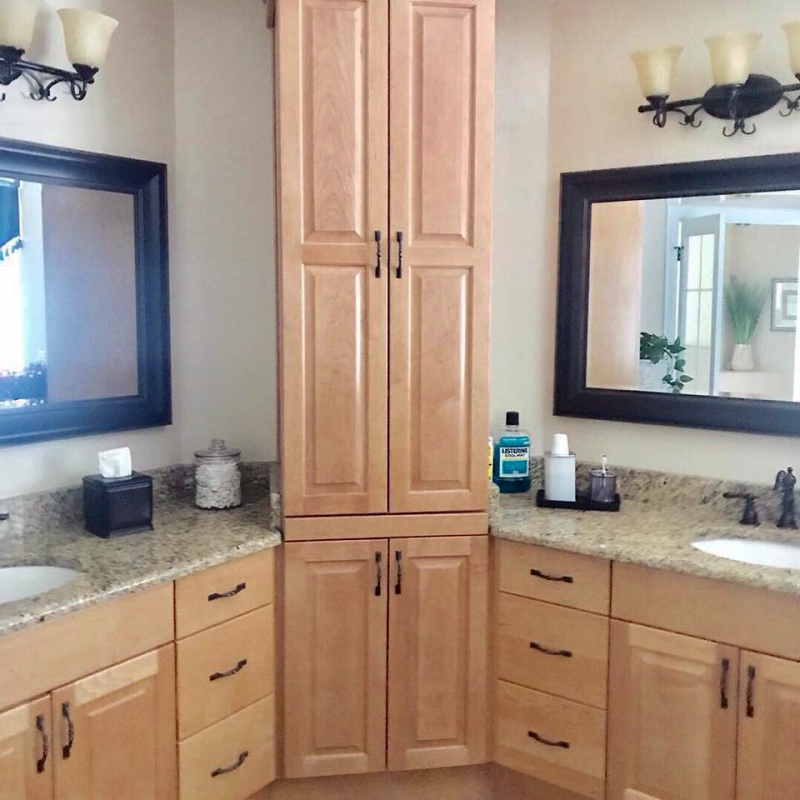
(378,574)
(548,652)
(557,578)
(723,683)
(233,767)
(230,673)
(549,742)
(378,254)
(751,677)
(398,586)
(40,762)
(232,593)
(66,750)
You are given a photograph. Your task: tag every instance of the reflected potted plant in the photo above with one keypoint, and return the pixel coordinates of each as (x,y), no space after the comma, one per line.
(744,303)
(657,353)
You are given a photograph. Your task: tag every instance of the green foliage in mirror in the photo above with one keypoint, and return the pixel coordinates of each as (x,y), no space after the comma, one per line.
(744,303)
(655,348)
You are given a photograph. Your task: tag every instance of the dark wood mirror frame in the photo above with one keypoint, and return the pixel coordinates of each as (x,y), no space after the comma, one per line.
(579,191)
(147,182)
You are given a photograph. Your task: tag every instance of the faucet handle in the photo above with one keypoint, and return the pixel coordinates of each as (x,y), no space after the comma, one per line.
(749,515)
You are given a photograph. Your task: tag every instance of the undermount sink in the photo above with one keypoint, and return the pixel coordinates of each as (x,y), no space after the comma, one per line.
(17,583)
(753,551)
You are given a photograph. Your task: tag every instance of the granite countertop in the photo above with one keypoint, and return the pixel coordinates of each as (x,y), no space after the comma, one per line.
(184,540)
(653,535)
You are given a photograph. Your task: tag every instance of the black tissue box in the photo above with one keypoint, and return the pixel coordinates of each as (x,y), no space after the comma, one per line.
(118,506)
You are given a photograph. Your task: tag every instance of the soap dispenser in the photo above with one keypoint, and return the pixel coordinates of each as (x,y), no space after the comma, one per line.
(559,471)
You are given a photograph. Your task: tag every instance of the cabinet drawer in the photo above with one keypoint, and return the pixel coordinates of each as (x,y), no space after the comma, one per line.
(555,740)
(554,576)
(222,593)
(232,759)
(224,669)
(553,649)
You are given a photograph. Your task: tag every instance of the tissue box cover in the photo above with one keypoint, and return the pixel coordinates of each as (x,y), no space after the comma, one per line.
(118,506)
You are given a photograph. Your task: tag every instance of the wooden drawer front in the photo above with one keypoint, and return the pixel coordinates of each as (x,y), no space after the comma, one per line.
(553,649)
(222,593)
(224,669)
(554,576)
(232,759)
(571,747)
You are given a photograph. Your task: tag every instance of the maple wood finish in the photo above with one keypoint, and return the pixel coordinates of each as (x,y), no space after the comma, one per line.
(438,631)
(552,649)
(556,740)
(769,728)
(26,760)
(123,742)
(567,579)
(672,716)
(221,593)
(335,657)
(225,669)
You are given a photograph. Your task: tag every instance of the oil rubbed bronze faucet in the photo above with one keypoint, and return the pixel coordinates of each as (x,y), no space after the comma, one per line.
(785,482)
(749,515)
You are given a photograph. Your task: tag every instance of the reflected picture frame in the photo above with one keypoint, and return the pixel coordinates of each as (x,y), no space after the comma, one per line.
(784,305)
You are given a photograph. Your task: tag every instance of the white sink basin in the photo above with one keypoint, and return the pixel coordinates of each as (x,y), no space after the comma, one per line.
(17,583)
(752,551)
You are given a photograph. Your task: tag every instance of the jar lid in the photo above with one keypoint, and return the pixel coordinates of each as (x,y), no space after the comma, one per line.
(598,473)
(218,450)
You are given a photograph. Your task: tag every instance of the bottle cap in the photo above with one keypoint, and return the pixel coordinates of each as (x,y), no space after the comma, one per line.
(512,417)
(560,445)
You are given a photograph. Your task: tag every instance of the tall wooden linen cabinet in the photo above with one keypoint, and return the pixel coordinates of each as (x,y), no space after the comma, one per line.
(385,138)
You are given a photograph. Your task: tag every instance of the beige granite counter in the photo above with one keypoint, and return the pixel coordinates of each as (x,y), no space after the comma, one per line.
(657,535)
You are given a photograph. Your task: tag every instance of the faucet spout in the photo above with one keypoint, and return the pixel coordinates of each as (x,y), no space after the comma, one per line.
(785,481)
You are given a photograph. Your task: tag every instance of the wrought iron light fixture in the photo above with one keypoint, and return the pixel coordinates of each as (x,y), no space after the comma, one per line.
(87,35)
(737,95)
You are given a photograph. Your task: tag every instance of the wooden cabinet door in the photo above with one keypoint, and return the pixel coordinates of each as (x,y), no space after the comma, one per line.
(672,716)
(442,89)
(26,771)
(115,732)
(769,728)
(335,657)
(333,154)
(438,637)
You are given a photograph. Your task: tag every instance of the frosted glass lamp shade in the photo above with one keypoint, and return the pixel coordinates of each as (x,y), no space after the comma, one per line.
(792,31)
(87,35)
(730,56)
(17,19)
(654,68)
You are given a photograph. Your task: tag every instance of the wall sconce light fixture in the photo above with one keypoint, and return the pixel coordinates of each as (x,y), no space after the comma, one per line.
(87,35)
(737,95)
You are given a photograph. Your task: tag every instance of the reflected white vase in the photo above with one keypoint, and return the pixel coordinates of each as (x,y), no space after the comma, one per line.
(742,360)
(651,375)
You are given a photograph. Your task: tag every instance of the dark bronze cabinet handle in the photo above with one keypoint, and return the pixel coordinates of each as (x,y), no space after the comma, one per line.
(557,578)
(378,574)
(66,750)
(398,586)
(399,254)
(232,593)
(378,248)
(751,678)
(233,767)
(230,673)
(548,652)
(723,683)
(40,762)
(549,742)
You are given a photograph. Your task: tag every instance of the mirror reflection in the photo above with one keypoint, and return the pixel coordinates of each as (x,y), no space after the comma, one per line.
(696,296)
(68,326)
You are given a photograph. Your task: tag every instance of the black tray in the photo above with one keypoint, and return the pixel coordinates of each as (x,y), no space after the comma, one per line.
(583,502)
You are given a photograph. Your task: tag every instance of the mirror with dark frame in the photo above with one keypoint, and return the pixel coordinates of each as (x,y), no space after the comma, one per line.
(678,295)
(84,296)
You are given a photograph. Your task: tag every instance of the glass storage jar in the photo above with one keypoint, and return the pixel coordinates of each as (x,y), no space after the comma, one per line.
(218,477)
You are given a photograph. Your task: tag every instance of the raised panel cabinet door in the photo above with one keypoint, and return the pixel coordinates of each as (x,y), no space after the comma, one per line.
(438,633)
(26,771)
(672,716)
(114,732)
(442,89)
(333,158)
(769,728)
(335,657)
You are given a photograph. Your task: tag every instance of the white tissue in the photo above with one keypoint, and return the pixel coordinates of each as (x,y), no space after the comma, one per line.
(115,463)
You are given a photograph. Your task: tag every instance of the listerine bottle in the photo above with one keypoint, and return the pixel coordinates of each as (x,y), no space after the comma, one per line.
(512,457)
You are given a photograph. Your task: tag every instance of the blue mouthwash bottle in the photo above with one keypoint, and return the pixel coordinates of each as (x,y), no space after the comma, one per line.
(512,457)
